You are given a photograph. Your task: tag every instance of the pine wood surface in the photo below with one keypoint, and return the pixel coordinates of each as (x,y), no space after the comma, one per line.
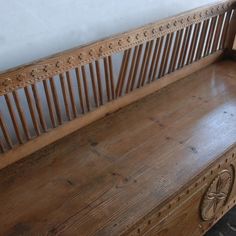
(107,176)
(48,99)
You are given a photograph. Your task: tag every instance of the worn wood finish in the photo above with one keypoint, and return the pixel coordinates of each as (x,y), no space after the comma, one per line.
(13,117)
(21,114)
(57,64)
(144,169)
(71,92)
(181,217)
(66,129)
(231,38)
(148,53)
(153,168)
(32,110)
(56,101)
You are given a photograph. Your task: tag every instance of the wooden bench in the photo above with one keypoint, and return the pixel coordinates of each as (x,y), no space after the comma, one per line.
(163,165)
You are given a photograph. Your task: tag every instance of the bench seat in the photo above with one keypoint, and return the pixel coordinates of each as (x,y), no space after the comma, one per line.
(141,170)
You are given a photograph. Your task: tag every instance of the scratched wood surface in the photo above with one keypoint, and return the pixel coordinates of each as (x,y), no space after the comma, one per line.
(107,176)
(48,99)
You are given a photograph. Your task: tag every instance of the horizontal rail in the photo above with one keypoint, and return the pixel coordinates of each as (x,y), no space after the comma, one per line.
(29,74)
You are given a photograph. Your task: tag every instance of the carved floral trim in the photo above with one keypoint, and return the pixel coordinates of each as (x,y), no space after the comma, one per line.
(225,162)
(217,194)
(46,68)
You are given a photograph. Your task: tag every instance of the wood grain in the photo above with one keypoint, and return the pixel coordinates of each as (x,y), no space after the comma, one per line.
(62,131)
(131,166)
(65,61)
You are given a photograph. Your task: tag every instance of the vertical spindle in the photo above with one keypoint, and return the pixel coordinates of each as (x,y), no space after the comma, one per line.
(176,51)
(202,39)
(143,64)
(65,96)
(137,62)
(107,82)
(194,43)
(210,36)
(71,93)
(147,63)
(184,56)
(39,107)
(81,100)
(131,72)
(21,114)
(122,74)
(158,57)
(85,87)
(99,82)
(166,54)
(93,84)
(13,118)
(225,29)
(32,110)
(49,103)
(217,32)
(154,55)
(5,132)
(111,77)
(56,100)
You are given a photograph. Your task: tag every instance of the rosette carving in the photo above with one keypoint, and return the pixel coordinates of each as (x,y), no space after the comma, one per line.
(217,194)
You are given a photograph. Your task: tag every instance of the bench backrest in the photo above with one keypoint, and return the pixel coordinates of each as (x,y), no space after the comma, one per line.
(48,99)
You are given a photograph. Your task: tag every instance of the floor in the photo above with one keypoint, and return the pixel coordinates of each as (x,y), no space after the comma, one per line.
(226,226)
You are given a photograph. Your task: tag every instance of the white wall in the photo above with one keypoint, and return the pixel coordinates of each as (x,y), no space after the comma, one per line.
(31,29)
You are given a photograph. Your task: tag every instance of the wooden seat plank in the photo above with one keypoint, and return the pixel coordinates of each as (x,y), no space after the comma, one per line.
(105,177)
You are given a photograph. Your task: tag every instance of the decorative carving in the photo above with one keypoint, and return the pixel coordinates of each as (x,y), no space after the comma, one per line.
(34,73)
(50,67)
(158,214)
(217,194)
(45,68)
(91,52)
(7,82)
(58,64)
(81,56)
(20,77)
(71,60)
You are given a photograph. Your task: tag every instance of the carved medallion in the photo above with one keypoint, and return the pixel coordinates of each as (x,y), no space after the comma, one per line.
(217,194)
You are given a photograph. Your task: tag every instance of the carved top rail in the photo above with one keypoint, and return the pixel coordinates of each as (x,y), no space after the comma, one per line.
(45,68)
